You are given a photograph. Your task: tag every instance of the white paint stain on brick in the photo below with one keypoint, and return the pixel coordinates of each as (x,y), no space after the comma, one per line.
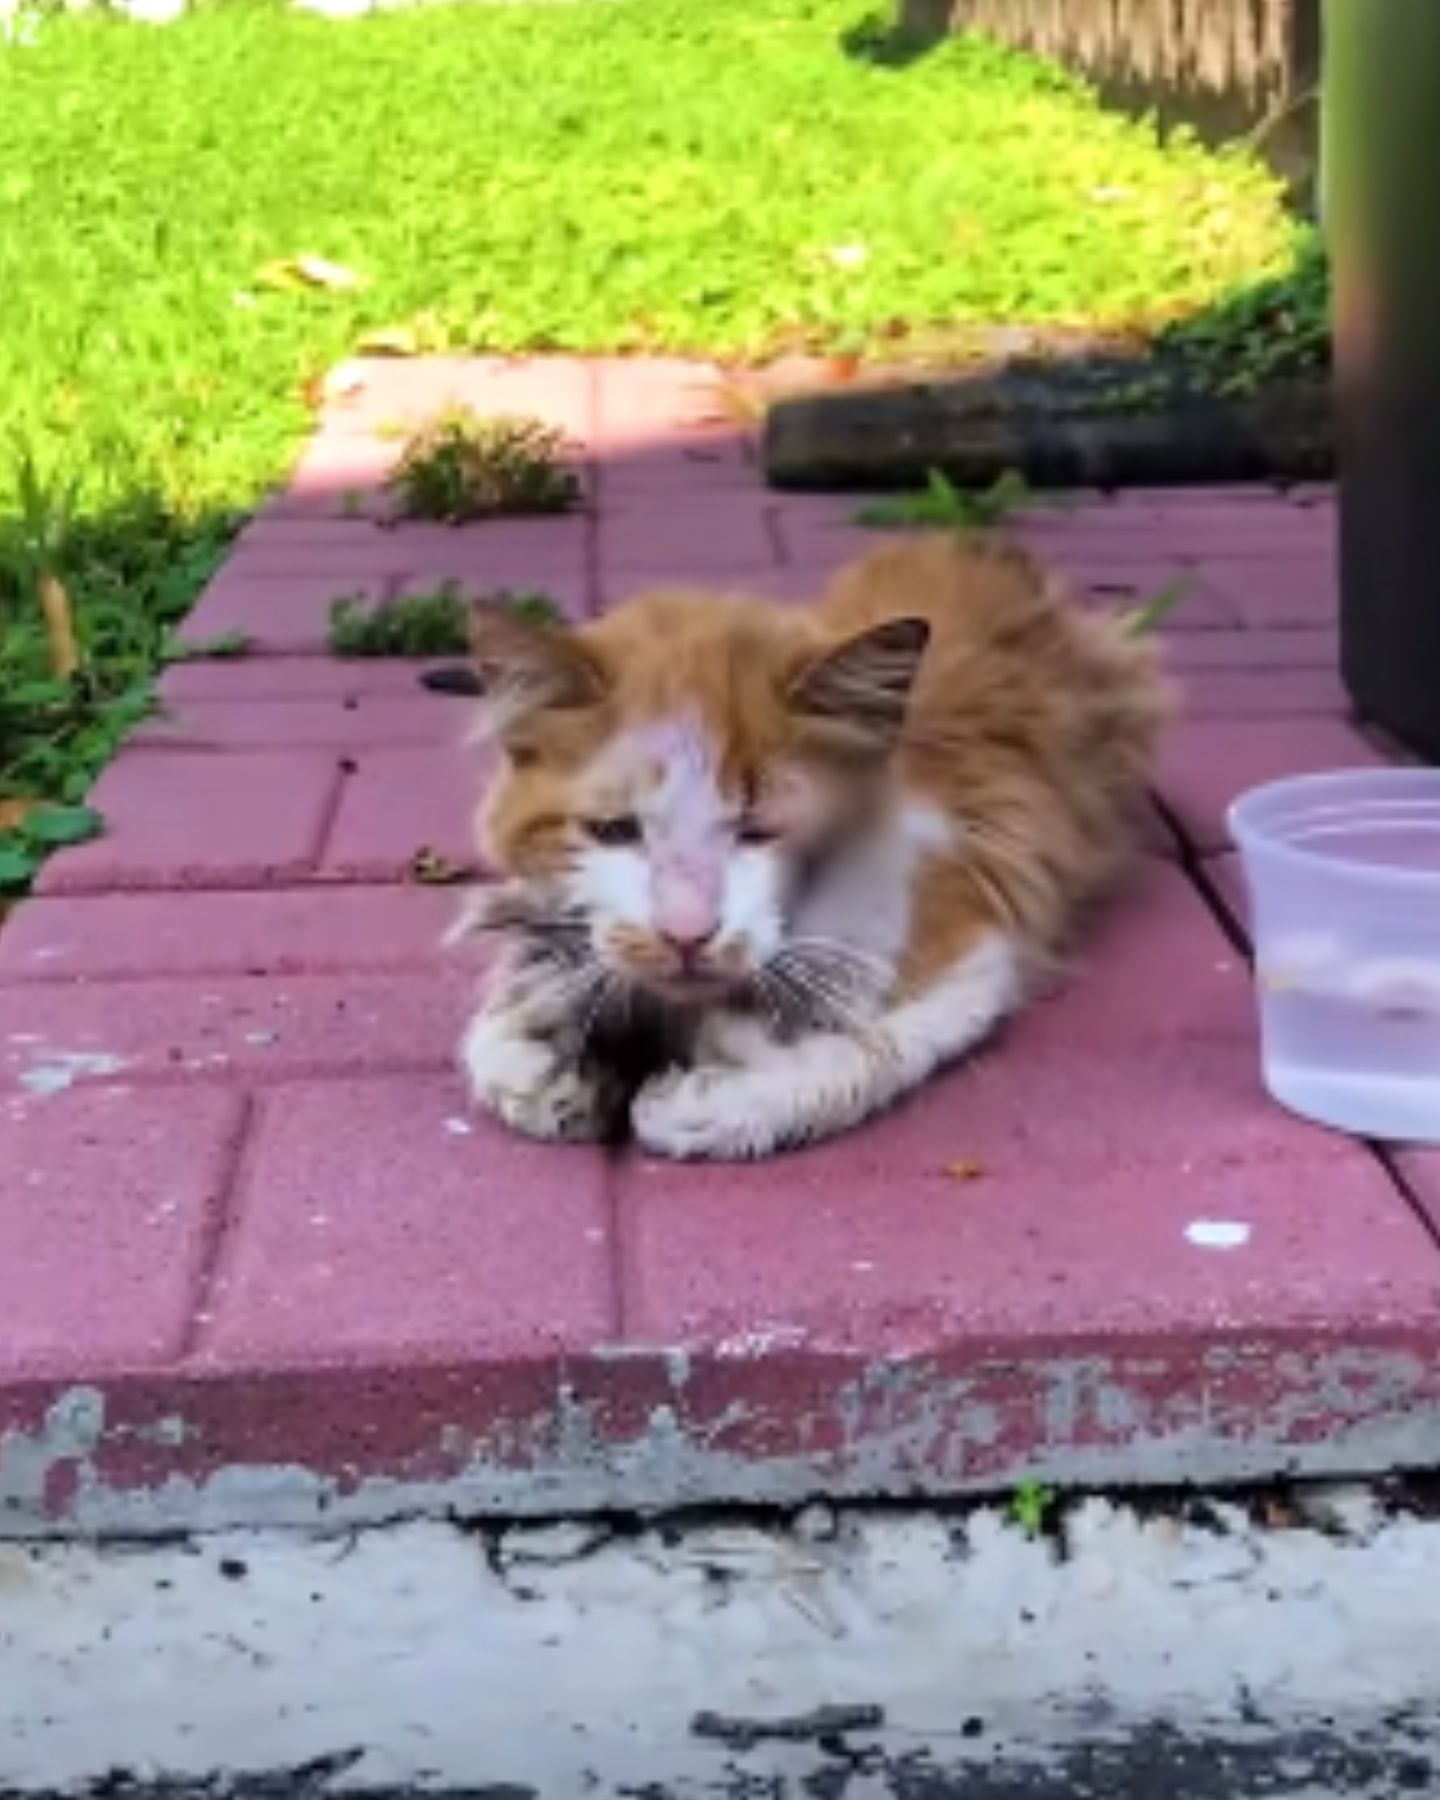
(1218,1234)
(55,1071)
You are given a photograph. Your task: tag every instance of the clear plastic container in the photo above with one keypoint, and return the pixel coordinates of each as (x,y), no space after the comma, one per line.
(1344,879)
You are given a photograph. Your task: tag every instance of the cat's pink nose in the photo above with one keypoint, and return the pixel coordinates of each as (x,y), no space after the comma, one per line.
(688,946)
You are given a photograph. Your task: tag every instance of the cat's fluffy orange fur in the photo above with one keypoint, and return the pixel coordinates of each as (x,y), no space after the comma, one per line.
(830,846)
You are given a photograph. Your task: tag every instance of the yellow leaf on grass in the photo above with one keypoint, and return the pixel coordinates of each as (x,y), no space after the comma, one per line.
(15,812)
(289,273)
(390,340)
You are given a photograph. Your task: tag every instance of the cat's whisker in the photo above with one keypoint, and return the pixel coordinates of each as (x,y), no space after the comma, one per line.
(851,954)
(605,988)
(861,977)
(825,1002)
(771,999)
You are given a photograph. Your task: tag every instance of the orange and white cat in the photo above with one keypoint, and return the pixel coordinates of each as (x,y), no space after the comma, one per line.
(818,852)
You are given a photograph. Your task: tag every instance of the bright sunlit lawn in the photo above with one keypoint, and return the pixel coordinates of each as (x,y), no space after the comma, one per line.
(725,176)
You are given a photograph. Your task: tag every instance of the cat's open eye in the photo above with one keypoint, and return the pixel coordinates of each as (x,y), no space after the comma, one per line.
(614,832)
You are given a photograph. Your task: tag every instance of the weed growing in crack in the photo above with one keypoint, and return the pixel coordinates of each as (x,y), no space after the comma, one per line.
(462,466)
(431,623)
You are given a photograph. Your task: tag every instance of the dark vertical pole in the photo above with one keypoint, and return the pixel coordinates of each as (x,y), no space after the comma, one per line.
(1381,167)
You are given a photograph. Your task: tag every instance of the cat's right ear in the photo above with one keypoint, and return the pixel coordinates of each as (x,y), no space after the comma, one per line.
(526,666)
(864,683)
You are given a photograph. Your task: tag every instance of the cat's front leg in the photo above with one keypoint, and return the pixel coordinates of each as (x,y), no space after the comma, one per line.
(748,1095)
(520,1059)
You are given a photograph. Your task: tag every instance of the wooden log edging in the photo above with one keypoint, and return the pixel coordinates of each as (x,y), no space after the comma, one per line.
(891,437)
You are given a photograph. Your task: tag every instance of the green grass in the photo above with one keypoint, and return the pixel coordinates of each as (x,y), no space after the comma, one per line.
(941,506)
(716,175)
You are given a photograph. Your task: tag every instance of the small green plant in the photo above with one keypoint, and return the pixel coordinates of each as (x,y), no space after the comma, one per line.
(226,646)
(1263,332)
(941,506)
(1151,614)
(427,624)
(463,466)
(534,608)
(1030,1507)
(35,834)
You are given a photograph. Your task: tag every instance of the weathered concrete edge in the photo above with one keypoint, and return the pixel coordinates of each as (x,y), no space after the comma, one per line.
(645,1432)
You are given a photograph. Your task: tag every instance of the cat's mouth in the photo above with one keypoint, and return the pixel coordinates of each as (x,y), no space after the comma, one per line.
(692,987)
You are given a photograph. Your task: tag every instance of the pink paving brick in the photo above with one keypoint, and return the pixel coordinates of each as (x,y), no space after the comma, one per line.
(111,1202)
(397,802)
(664,474)
(1250,651)
(320,677)
(280,611)
(1421,1170)
(378,1222)
(1108,1122)
(1193,532)
(289,931)
(825,528)
(227,1029)
(776,582)
(830,547)
(179,818)
(391,396)
(1228,879)
(1206,764)
(1262,693)
(494,552)
(715,534)
(1298,591)
(1078,1237)
(340,723)
(339,475)
(647,403)
(1121,586)
(1157,960)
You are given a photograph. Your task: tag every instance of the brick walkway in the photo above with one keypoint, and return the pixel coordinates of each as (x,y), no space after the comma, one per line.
(257,1263)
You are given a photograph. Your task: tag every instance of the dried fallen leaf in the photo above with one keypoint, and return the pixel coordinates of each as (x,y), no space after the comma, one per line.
(964,1168)
(319,271)
(342,384)
(14,813)
(431,869)
(307,271)
(390,340)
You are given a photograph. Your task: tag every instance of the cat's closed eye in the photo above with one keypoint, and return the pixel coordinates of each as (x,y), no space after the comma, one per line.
(615,832)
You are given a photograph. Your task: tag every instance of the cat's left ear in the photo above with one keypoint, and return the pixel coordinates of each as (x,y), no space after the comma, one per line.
(865,681)
(525,666)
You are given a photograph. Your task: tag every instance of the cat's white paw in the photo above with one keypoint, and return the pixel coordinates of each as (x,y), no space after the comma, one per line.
(523,1081)
(706,1113)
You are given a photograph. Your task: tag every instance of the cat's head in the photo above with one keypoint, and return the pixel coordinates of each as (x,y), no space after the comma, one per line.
(675,770)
